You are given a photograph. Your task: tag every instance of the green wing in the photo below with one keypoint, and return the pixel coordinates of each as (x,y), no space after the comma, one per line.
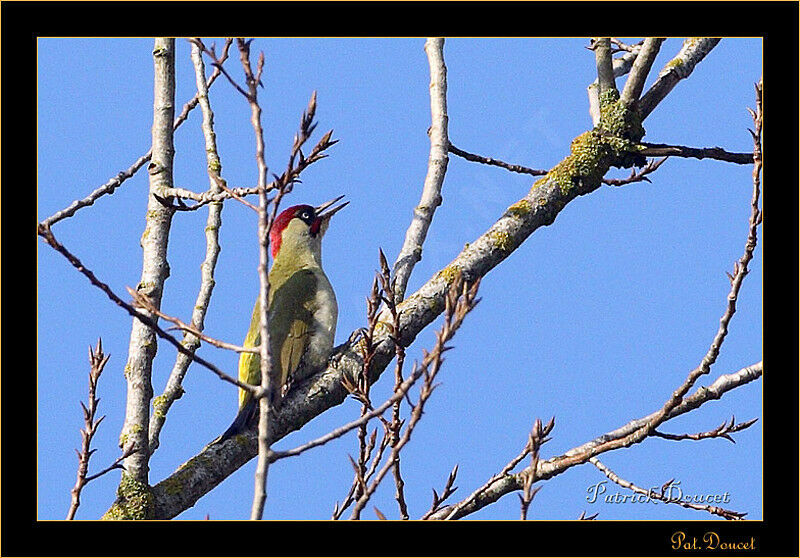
(288,330)
(250,363)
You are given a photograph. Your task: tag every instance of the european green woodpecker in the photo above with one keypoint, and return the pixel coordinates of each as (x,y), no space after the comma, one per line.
(302,307)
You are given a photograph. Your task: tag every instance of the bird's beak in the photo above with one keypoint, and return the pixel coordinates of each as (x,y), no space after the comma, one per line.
(321,212)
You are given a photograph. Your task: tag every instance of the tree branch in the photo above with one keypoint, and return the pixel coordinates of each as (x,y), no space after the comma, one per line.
(155,270)
(665,150)
(97,361)
(641,68)
(495,162)
(661,497)
(633,432)
(605,70)
(312,396)
(694,49)
(411,252)
(620,66)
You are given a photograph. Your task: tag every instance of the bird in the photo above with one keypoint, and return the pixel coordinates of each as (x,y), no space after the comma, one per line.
(302,308)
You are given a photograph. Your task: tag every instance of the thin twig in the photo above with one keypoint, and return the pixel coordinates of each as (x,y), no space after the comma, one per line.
(722,431)
(662,497)
(537,437)
(651,166)
(454,511)
(97,361)
(740,270)
(204,198)
(495,162)
(142,301)
(264,225)
(397,395)
(448,491)
(666,150)
(460,301)
(396,424)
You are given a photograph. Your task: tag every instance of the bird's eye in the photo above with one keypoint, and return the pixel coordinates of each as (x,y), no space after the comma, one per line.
(305,215)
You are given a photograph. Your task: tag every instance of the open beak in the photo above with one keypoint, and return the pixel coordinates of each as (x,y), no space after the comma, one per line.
(321,212)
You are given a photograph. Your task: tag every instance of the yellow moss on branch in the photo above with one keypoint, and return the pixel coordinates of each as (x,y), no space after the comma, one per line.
(134,501)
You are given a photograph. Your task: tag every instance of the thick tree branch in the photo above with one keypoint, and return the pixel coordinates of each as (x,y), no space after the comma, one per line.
(578,174)
(155,270)
(548,196)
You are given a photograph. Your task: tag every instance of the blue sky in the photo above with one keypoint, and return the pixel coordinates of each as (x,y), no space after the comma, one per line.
(595,319)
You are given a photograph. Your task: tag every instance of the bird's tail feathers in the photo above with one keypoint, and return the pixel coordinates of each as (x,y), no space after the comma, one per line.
(243,418)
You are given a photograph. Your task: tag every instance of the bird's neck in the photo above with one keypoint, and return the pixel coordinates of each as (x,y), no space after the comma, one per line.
(285,265)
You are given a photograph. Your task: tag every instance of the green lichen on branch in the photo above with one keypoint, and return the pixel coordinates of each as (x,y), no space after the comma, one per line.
(613,142)
(521,208)
(502,240)
(134,501)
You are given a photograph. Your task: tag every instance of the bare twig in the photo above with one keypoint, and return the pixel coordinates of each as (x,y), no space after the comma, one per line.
(651,166)
(204,198)
(535,440)
(411,252)
(459,302)
(665,150)
(141,301)
(739,272)
(396,424)
(344,429)
(620,46)
(537,437)
(264,225)
(722,431)
(360,390)
(661,497)
(495,162)
(97,361)
(448,491)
